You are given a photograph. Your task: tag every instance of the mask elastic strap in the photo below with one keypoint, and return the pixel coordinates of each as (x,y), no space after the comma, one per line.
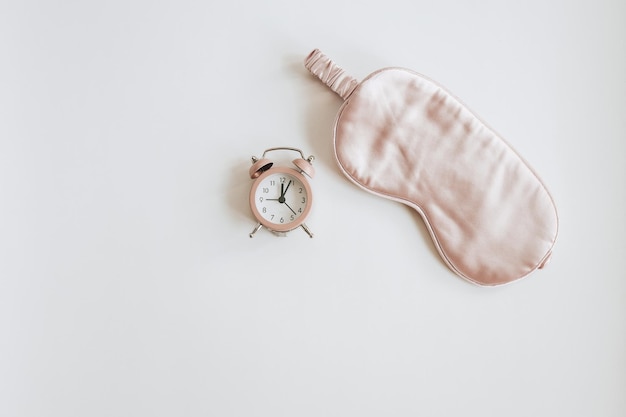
(330,74)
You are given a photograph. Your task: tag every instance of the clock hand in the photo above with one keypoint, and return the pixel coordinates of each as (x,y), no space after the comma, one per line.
(290,208)
(287,188)
(281,199)
(283,191)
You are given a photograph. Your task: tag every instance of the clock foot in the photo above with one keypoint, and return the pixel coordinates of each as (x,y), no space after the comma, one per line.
(256,229)
(306,229)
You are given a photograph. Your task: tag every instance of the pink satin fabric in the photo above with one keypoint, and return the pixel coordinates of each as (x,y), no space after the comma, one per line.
(330,74)
(401,136)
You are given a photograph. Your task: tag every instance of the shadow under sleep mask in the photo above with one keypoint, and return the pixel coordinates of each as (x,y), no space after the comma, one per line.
(401,136)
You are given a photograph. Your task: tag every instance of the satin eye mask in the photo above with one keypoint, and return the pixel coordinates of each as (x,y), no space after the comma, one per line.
(401,136)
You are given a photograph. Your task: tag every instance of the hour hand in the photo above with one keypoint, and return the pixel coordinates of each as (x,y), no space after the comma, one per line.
(283,190)
(281,199)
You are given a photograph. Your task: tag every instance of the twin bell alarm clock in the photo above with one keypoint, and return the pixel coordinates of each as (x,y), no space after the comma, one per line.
(281,196)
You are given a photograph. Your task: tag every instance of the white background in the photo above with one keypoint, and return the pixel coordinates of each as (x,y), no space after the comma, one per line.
(128,283)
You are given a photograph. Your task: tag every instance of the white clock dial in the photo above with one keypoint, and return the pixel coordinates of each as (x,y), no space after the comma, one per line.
(280,199)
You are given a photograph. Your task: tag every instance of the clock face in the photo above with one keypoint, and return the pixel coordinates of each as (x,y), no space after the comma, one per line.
(281,199)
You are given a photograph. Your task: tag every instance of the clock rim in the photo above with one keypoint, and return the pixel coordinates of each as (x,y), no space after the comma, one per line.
(285,227)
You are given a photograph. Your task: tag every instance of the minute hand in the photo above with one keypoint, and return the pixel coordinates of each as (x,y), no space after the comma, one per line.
(285,192)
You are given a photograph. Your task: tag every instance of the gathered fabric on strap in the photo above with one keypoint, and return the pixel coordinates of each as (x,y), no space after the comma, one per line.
(330,74)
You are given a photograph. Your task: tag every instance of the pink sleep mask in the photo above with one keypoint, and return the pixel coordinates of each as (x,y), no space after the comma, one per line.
(401,136)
